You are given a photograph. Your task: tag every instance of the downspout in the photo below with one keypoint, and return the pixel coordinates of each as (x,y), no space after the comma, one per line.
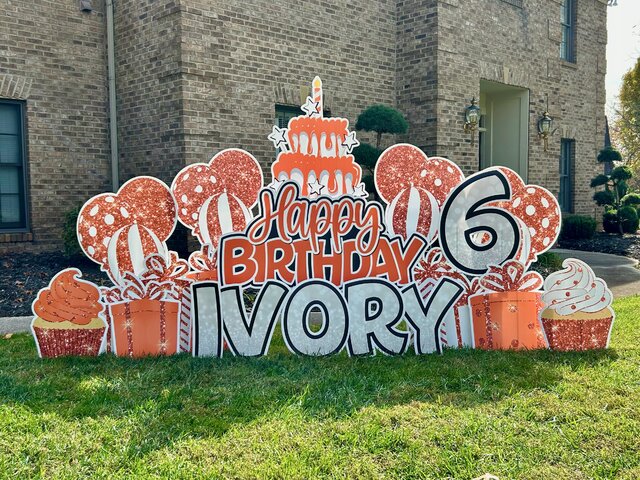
(113,112)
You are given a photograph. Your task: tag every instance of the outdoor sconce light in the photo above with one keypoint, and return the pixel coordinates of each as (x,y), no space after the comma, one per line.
(471,119)
(544,128)
(85,6)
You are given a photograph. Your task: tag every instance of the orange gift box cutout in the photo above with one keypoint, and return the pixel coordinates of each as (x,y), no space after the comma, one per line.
(68,317)
(506,317)
(147,313)
(144,327)
(507,320)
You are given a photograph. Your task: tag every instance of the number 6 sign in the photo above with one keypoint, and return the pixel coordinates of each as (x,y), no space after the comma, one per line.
(474,235)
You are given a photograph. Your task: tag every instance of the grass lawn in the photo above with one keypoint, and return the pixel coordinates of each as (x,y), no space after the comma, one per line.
(525,415)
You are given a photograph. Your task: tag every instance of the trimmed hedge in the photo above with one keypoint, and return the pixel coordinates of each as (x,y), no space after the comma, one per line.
(629,218)
(610,221)
(577,227)
(631,199)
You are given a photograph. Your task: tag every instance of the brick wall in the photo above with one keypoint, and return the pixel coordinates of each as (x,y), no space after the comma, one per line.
(195,76)
(242,58)
(53,57)
(416,74)
(500,41)
(149,88)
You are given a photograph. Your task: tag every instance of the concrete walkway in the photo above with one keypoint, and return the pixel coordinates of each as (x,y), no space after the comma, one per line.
(14,324)
(620,273)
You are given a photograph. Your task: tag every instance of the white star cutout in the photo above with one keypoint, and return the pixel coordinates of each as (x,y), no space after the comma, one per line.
(276,184)
(359,191)
(315,187)
(310,107)
(277,136)
(350,142)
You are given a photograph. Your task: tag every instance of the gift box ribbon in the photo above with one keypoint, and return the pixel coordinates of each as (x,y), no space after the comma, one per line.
(509,277)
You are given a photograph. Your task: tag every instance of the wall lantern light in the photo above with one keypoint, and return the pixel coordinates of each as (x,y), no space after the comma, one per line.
(544,128)
(471,119)
(545,123)
(85,6)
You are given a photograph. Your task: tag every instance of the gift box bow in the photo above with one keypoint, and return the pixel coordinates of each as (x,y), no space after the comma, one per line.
(435,266)
(204,260)
(161,272)
(135,288)
(510,276)
(160,281)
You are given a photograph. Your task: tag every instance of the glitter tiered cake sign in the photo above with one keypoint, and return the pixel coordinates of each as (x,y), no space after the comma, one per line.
(440,263)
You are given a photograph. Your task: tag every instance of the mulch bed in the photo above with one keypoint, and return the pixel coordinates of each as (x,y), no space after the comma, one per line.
(627,245)
(23,275)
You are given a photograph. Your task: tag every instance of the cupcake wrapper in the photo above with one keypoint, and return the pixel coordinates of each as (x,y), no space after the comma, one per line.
(82,342)
(577,335)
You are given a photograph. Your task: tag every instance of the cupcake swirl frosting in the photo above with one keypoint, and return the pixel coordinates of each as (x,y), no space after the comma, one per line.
(575,289)
(68,298)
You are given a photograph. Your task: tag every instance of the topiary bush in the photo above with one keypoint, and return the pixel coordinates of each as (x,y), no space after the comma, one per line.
(367,156)
(577,227)
(610,221)
(628,215)
(70,243)
(615,190)
(631,199)
(381,119)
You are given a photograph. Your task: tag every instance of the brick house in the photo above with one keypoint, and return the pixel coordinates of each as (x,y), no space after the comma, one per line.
(195,76)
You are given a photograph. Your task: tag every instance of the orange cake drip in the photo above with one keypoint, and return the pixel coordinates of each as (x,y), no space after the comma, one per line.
(302,158)
(289,161)
(315,127)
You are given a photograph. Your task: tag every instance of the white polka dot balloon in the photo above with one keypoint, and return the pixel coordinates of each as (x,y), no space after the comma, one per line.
(216,197)
(536,208)
(118,231)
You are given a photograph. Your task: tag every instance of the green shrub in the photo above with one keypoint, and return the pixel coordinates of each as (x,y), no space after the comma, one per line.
(547,263)
(629,218)
(609,154)
(69,235)
(610,221)
(577,227)
(631,199)
(366,155)
(369,184)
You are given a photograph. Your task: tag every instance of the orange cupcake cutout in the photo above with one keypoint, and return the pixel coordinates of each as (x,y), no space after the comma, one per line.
(578,314)
(68,298)
(68,317)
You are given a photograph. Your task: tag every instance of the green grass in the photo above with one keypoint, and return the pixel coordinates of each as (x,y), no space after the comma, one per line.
(525,415)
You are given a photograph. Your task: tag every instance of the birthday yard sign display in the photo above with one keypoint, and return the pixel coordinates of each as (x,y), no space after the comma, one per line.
(441,262)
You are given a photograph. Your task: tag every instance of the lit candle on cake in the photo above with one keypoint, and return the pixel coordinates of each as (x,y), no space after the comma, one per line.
(317,94)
